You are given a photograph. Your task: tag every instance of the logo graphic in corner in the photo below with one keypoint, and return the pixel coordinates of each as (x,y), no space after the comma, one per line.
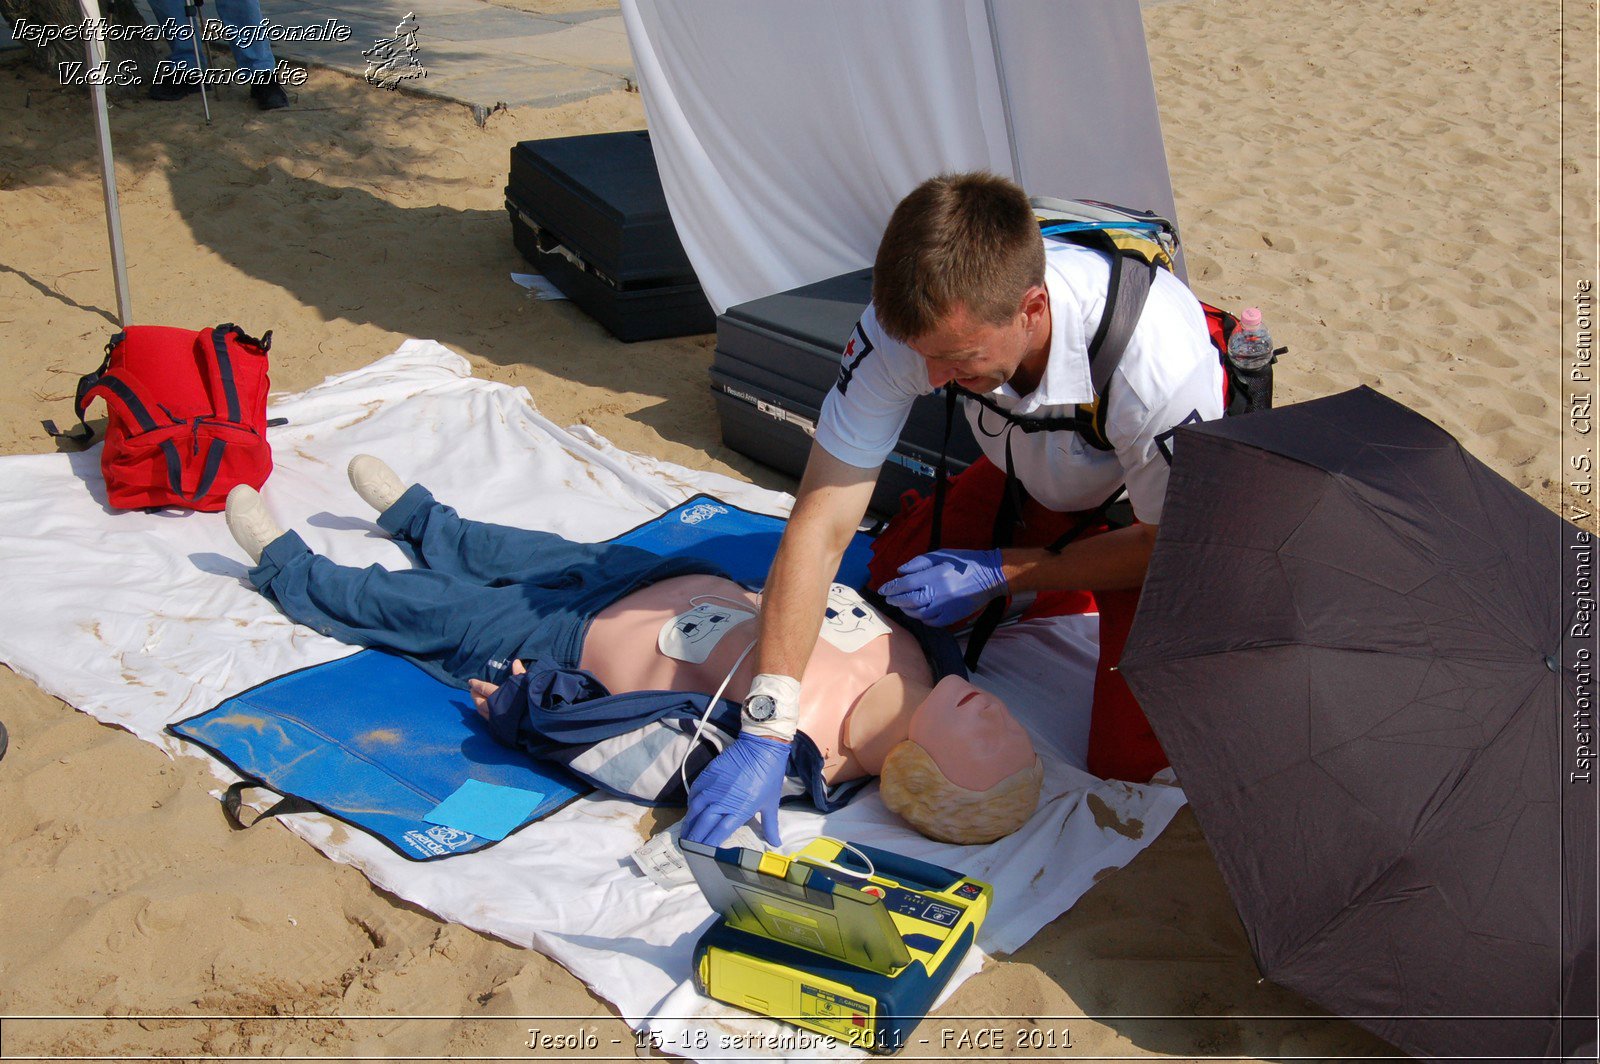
(449,838)
(438,840)
(1164,440)
(704,511)
(857,349)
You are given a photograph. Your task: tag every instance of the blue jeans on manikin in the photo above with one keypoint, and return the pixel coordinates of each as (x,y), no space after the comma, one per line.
(233,13)
(483,596)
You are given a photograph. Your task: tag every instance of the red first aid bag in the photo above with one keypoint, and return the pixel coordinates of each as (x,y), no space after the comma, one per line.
(187,415)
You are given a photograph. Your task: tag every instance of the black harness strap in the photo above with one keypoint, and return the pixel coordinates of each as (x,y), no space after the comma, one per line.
(1008,515)
(1126,293)
(941,475)
(1060,423)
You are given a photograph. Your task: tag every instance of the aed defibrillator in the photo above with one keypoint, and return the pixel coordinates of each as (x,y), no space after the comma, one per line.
(826,941)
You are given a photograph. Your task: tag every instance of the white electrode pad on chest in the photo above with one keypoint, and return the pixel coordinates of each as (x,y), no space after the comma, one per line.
(849,623)
(692,635)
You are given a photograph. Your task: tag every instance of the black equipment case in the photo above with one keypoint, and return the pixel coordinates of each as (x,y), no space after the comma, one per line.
(588,212)
(776,359)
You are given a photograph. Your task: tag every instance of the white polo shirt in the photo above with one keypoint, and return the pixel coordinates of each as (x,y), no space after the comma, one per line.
(1169,376)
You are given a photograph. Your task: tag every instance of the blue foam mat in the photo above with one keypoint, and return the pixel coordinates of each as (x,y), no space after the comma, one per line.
(378,743)
(740,541)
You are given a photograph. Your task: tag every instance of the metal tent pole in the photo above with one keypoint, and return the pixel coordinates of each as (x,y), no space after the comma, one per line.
(1005,91)
(102,124)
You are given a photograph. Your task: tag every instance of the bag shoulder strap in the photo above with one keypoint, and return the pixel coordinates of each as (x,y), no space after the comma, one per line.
(83,435)
(122,389)
(217,361)
(1126,294)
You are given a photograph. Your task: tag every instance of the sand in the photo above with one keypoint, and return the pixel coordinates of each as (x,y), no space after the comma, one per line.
(1384,178)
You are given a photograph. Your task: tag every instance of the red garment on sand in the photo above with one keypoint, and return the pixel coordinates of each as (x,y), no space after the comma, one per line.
(1121,744)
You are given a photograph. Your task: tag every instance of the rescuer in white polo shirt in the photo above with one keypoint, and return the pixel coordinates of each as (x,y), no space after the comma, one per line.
(966,290)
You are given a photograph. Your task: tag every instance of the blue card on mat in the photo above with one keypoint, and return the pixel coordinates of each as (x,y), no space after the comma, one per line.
(487,810)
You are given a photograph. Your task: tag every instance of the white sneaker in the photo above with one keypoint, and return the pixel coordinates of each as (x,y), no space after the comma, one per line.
(252,527)
(375,482)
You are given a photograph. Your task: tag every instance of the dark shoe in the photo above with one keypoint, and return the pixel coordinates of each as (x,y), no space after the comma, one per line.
(269,96)
(172,90)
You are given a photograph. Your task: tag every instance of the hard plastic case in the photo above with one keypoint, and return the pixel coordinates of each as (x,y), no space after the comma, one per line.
(589,213)
(778,356)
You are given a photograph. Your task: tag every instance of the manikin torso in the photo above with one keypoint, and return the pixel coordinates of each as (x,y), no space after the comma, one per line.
(853,732)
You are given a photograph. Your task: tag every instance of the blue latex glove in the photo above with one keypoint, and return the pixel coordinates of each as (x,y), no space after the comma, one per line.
(743,780)
(943,586)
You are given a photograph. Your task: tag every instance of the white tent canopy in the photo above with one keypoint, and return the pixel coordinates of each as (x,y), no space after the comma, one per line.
(786,132)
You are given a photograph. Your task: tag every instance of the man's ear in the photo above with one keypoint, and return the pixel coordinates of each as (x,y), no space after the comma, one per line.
(1035,302)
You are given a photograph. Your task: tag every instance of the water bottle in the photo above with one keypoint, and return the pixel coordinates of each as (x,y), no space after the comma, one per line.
(1250,347)
(1249,365)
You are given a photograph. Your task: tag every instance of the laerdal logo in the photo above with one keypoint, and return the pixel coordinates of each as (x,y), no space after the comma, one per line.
(702,512)
(449,838)
(437,840)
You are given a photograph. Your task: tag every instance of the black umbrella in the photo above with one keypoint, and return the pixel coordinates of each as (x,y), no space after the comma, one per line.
(1357,644)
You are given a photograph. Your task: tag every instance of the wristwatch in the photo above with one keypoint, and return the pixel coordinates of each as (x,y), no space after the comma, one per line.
(760,708)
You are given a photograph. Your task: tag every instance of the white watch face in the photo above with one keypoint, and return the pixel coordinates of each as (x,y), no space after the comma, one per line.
(761,708)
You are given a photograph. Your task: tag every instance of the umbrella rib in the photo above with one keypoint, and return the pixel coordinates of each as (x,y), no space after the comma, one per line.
(1493,619)
(1169,658)
(1494,610)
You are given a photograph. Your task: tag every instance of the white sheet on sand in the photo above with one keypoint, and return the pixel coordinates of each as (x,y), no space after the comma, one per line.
(143,619)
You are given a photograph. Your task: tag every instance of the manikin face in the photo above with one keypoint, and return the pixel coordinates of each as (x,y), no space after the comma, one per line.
(976,354)
(970,735)
(967,773)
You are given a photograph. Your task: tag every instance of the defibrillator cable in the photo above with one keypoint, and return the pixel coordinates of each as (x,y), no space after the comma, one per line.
(711,704)
(700,726)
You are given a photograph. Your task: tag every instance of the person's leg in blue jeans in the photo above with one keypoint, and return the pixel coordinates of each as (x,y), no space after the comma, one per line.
(236,15)
(453,627)
(496,555)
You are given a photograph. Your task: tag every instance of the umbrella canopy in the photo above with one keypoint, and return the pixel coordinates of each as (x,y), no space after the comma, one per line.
(1356,644)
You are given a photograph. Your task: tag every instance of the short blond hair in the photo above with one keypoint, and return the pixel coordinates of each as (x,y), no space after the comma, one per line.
(913,786)
(967,240)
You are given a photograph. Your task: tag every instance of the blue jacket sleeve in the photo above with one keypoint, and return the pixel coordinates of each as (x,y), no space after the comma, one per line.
(559,714)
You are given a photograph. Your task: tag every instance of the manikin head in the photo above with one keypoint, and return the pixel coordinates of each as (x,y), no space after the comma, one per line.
(959,277)
(967,772)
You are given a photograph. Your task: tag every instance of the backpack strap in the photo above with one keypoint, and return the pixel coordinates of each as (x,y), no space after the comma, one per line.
(121,389)
(1126,294)
(208,472)
(220,377)
(941,476)
(1062,423)
(1086,522)
(1007,516)
(1127,291)
(220,382)
(83,435)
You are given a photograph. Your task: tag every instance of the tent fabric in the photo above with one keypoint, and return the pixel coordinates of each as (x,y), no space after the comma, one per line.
(786,133)
(142,619)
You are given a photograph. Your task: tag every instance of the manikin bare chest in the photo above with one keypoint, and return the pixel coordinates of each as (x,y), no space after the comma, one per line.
(622,649)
